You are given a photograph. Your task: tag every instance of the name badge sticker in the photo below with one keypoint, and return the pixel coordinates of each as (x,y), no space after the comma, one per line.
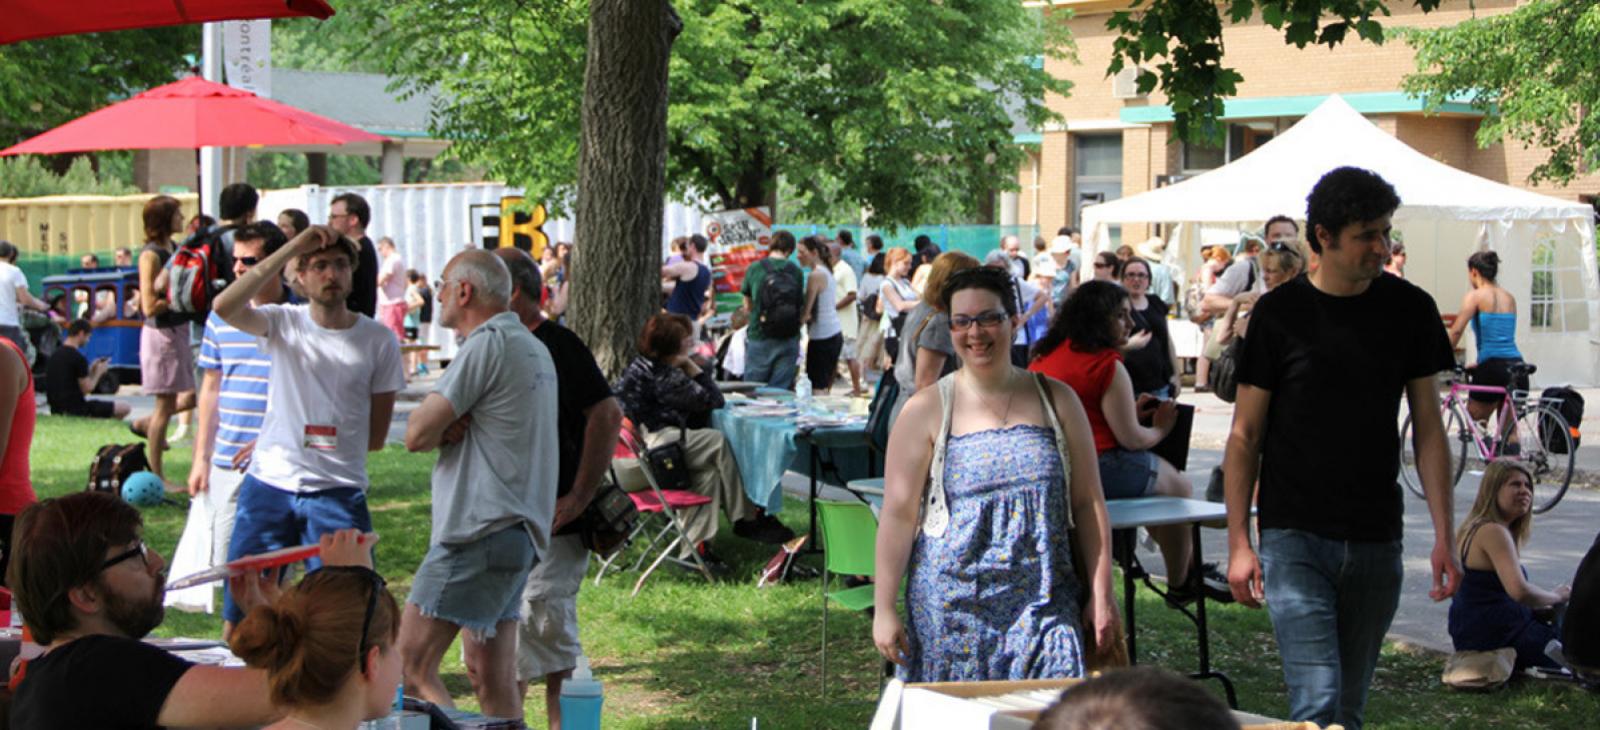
(325,438)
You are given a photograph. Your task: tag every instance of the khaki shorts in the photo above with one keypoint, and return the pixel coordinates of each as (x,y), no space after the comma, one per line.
(547,637)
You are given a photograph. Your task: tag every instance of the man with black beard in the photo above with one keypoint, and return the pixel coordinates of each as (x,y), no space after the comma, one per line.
(89,590)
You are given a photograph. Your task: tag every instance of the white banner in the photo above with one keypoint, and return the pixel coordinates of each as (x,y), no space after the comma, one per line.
(247,55)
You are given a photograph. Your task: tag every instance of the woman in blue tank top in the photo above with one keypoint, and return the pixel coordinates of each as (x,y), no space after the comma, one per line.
(1492,311)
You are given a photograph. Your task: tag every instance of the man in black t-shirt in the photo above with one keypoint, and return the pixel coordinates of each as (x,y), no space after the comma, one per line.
(1320,380)
(68,377)
(90,590)
(350,215)
(588,419)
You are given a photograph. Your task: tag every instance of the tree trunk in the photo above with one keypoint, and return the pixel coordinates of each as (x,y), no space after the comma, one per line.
(622,163)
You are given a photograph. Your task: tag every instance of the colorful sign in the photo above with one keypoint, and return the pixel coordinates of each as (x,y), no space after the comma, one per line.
(738,239)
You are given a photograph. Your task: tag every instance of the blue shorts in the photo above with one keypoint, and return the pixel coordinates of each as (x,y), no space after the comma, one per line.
(475,585)
(1127,474)
(268,518)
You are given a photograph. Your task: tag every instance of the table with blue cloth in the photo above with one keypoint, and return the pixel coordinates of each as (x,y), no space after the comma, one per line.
(767,446)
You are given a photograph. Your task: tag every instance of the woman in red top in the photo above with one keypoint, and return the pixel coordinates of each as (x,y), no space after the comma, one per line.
(1081,349)
(17,413)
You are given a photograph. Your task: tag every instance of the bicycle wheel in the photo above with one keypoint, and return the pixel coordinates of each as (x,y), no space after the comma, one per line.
(1457,439)
(1541,439)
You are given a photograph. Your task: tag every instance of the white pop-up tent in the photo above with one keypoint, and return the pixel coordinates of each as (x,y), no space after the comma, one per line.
(1546,245)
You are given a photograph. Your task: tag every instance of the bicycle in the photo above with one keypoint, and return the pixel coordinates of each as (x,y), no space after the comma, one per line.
(1531,431)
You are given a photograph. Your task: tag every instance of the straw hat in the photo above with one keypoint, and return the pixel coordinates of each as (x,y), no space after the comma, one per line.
(1153,248)
(1061,244)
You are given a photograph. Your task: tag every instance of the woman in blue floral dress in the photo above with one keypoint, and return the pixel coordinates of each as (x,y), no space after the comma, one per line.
(984,480)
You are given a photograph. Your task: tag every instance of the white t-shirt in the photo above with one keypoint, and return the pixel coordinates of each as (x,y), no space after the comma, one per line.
(504,471)
(393,292)
(11,277)
(844,284)
(319,406)
(1236,279)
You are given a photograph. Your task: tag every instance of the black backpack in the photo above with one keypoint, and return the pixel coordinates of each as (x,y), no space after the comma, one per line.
(867,306)
(780,300)
(1570,404)
(113,464)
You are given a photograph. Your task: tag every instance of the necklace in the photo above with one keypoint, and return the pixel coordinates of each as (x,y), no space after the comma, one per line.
(1004,416)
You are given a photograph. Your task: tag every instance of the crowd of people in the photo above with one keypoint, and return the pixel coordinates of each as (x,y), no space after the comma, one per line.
(1027,391)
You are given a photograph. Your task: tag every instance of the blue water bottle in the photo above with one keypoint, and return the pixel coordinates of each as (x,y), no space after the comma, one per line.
(581,697)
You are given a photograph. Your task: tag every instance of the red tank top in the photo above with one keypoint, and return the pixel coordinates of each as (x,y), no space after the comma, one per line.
(1089,374)
(16,487)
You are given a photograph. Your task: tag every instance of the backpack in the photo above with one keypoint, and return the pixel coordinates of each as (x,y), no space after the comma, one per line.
(1570,405)
(113,464)
(195,274)
(780,301)
(1225,371)
(867,306)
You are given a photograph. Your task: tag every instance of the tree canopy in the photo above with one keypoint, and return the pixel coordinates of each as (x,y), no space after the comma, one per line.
(1178,45)
(47,82)
(1531,71)
(895,106)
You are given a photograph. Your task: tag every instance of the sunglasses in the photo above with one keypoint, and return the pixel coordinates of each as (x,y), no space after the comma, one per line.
(376,585)
(247,260)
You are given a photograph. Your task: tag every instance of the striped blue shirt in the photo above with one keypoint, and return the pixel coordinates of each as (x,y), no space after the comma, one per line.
(242,404)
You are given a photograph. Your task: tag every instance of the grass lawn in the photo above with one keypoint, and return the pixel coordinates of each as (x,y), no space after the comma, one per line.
(685,654)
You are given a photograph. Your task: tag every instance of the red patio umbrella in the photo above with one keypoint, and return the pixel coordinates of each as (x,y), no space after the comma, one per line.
(26,19)
(189,114)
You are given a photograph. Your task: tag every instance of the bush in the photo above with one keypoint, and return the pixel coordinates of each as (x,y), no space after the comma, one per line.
(26,177)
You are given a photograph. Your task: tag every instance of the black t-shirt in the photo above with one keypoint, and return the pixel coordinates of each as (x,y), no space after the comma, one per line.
(364,282)
(582,385)
(101,682)
(61,376)
(1150,367)
(1337,368)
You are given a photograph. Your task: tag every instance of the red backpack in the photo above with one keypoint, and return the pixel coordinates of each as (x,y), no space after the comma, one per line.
(194,275)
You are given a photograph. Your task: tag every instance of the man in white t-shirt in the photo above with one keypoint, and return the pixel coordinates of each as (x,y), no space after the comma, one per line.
(845,288)
(330,398)
(14,296)
(391,288)
(494,488)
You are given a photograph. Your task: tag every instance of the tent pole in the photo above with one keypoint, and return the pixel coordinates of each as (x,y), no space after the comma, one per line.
(210,157)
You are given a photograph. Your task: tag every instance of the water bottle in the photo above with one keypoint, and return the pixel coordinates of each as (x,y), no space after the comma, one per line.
(802,394)
(581,697)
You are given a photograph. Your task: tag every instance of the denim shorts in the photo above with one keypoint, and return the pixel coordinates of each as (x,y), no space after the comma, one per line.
(1127,474)
(475,585)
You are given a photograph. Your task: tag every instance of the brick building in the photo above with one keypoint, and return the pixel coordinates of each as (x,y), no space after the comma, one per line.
(1115,142)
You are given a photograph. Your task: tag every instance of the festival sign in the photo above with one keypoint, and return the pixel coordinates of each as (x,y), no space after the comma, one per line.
(738,239)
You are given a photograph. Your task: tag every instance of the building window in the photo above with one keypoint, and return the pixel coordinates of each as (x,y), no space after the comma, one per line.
(1242,139)
(1557,293)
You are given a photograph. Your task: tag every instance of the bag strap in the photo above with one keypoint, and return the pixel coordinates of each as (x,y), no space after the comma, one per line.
(1049,408)
(935,509)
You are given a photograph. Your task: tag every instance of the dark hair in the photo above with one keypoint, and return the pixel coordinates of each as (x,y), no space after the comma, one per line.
(1279,219)
(817,246)
(1084,319)
(1109,258)
(1344,196)
(79,327)
(525,275)
(921,242)
(412,275)
(298,217)
(354,205)
(1137,698)
(987,278)
(203,222)
(309,640)
(699,242)
(782,242)
(1135,261)
(875,242)
(875,266)
(1486,263)
(270,235)
(1066,231)
(8,250)
(927,254)
(59,544)
(663,335)
(158,212)
(236,200)
(846,238)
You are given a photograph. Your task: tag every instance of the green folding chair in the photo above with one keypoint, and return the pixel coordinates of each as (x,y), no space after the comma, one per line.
(849,546)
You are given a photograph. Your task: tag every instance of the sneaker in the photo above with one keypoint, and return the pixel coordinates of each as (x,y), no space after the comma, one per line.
(1215,583)
(764,529)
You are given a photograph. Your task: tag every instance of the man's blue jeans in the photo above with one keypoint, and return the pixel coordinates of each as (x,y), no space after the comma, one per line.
(773,362)
(1331,603)
(269,518)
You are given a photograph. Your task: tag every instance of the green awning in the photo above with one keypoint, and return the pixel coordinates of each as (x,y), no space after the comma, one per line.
(1382,102)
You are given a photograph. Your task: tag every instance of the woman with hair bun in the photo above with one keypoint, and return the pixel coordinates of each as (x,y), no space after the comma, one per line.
(1492,311)
(328,647)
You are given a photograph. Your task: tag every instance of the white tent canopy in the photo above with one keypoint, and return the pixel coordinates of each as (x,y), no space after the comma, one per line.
(1546,245)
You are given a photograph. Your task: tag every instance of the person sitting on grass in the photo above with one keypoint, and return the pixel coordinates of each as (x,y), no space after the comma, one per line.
(1496,605)
(90,590)
(328,648)
(69,377)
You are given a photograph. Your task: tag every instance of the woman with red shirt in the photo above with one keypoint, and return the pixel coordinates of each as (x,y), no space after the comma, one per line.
(17,414)
(1081,349)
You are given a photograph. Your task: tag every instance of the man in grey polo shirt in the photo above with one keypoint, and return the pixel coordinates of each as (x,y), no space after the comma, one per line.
(493,418)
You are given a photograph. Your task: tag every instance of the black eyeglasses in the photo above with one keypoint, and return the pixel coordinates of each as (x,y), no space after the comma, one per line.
(377,584)
(987,320)
(141,550)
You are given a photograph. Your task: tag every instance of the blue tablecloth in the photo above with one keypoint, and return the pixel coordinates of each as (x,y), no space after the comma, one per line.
(766,447)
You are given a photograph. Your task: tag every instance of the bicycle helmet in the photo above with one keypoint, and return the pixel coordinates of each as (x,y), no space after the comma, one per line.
(143,489)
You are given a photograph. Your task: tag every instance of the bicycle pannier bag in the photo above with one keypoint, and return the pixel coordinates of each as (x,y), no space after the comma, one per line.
(1570,405)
